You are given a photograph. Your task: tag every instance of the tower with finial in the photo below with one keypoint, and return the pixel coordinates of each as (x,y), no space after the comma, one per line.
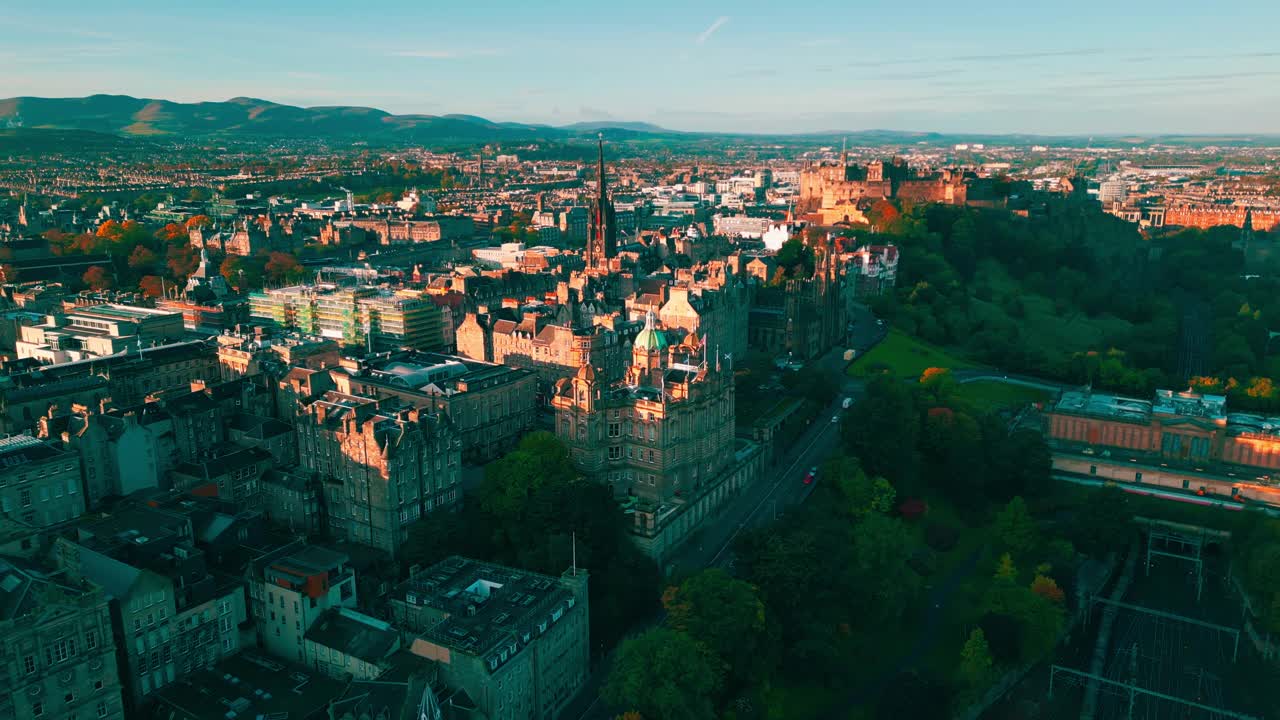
(602,239)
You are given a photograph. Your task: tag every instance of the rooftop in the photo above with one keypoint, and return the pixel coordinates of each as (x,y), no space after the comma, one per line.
(249,685)
(491,610)
(1211,408)
(355,634)
(22,449)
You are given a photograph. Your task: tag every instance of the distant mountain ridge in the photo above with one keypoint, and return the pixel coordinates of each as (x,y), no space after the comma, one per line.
(252,117)
(246,118)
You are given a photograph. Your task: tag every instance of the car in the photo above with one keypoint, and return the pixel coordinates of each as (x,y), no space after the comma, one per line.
(835,418)
(808,478)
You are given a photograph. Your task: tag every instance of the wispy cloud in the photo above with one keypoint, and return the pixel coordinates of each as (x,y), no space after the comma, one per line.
(445,54)
(705,35)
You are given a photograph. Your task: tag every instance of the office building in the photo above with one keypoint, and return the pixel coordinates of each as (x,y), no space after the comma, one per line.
(39,484)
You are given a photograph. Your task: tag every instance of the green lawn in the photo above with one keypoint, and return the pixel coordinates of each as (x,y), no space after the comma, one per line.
(904,356)
(984,396)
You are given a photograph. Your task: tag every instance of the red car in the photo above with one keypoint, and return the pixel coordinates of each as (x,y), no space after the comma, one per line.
(810,476)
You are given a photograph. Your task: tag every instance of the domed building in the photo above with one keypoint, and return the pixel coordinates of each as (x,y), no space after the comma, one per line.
(664,433)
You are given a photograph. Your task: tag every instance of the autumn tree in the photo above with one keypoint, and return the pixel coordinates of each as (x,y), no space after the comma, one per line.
(142,258)
(182,260)
(938,383)
(172,233)
(281,267)
(1047,588)
(198,221)
(151,285)
(97,278)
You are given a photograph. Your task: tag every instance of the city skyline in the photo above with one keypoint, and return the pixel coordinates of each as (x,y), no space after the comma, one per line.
(744,67)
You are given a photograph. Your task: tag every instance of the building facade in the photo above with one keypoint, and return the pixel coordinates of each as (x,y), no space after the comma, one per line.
(39,483)
(292,586)
(59,650)
(381,470)
(665,431)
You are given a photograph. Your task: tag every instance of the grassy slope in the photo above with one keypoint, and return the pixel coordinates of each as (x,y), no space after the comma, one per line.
(904,357)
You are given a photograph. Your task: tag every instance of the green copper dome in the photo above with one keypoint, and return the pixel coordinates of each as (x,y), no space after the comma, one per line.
(650,338)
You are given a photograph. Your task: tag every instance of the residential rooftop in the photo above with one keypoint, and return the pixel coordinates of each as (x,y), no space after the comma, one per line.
(355,634)
(488,608)
(249,685)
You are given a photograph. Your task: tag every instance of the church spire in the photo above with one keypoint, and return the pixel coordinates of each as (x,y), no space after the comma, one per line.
(600,145)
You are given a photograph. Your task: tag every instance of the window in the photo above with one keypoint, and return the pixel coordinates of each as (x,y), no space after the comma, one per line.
(102,708)
(69,698)
(1137,477)
(91,639)
(37,709)
(615,453)
(24,496)
(60,650)
(1093,469)
(97,684)
(615,429)
(29,664)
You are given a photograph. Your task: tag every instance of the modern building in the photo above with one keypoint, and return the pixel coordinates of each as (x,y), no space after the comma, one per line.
(356,315)
(97,331)
(39,484)
(381,470)
(289,588)
(59,650)
(517,642)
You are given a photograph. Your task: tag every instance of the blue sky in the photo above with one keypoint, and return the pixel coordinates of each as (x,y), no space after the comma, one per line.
(993,66)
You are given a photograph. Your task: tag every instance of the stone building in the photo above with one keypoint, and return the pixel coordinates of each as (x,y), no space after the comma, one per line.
(804,317)
(39,484)
(666,430)
(59,650)
(831,186)
(171,614)
(289,588)
(490,406)
(1207,215)
(536,342)
(381,469)
(517,642)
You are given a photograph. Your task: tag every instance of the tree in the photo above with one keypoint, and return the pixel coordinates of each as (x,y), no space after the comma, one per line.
(539,460)
(882,430)
(1047,588)
(1015,529)
(663,673)
(151,286)
(728,617)
(242,272)
(1006,571)
(1103,523)
(97,278)
(142,258)
(182,260)
(198,221)
(796,258)
(975,660)
(172,233)
(861,494)
(882,545)
(281,267)
(938,382)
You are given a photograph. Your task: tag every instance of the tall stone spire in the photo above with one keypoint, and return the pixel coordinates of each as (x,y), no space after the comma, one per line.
(602,242)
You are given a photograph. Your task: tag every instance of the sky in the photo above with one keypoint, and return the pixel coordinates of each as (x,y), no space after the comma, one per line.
(1034,66)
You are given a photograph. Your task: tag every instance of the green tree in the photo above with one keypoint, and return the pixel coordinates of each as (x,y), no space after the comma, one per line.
(975,660)
(795,258)
(1103,523)
(663,673)
(860,494)
(882,430)
(882,546)
(1015,529)
(728,617)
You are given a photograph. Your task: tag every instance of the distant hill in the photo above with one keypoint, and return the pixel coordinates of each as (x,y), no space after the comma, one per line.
(251,117)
